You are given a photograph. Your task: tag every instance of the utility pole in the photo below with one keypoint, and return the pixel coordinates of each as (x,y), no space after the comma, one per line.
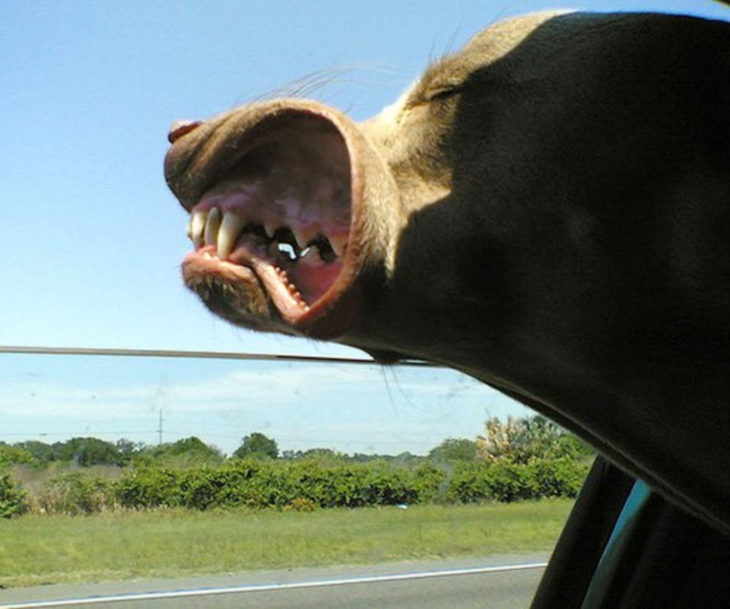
(159,429)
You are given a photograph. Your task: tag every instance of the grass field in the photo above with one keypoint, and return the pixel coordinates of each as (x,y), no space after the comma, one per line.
(167,543)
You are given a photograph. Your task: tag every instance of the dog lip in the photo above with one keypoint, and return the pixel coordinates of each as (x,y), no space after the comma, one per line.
(180,128)
(200,157)
(205,155)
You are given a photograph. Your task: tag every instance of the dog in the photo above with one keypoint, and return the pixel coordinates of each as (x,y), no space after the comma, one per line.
(546,210)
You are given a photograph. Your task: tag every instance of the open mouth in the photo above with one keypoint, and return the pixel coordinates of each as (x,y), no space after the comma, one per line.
(273,225)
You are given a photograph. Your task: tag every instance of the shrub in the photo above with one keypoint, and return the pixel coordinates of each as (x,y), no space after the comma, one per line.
(227,486)
(302,484)
(12,498)
(260,484)
(511,482)
(356,484)
(467,483)
(76,493)
(148,488)
(560,477)
(502,480)
(11,455)
(429,481)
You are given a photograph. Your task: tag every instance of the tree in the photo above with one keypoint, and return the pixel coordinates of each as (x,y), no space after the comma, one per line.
(498,441)
(87,451)
(454,449)
(182,453)
(257,445)
(9,455)
(40,450)
(538,438)
(522,440)
(128,449)
(313,453)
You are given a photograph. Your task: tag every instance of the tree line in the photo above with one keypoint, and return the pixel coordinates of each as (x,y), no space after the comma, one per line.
(514,459)
(517,439)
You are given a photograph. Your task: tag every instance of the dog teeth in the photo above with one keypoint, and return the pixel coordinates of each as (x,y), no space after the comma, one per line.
(212,226)
(197,226)
(298,238)
(339,244)
(270,228)
(228,234)
(222,230)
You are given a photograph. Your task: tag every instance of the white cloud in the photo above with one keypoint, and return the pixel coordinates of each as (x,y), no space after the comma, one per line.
(352,408)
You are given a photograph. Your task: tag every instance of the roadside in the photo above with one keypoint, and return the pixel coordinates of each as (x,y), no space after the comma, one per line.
(149,591)
(185,543)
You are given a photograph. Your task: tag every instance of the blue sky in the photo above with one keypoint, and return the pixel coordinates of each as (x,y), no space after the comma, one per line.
(349,408)
(92,237)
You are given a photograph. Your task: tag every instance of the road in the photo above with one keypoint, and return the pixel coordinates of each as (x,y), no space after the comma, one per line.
(503,582)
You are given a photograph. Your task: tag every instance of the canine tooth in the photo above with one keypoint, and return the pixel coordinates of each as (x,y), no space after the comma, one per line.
(197,226)
(270,228)
(212,226)
(230,229)
(338,244)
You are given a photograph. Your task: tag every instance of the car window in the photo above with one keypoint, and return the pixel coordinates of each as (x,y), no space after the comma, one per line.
(124,402)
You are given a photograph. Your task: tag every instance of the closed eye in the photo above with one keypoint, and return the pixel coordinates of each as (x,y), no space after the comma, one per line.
(443,93)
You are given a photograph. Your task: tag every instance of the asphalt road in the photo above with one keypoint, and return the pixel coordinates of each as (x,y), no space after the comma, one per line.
(502,582)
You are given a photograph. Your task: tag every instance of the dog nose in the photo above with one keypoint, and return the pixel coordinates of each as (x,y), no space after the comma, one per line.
(180,128)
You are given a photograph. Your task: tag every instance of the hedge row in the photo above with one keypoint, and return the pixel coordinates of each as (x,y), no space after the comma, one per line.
(308,485)
(269,484)
(506,481)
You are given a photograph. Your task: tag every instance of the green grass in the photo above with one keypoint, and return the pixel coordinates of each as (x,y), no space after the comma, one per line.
(37,549)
